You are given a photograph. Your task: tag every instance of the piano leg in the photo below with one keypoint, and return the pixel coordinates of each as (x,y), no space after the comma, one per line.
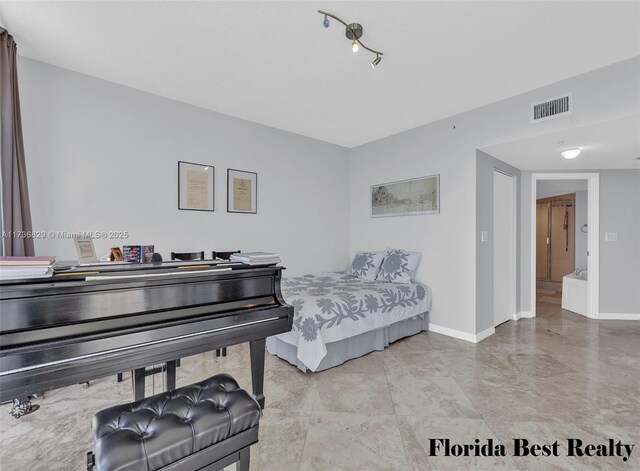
(138,376)
(257,349)
(170,375)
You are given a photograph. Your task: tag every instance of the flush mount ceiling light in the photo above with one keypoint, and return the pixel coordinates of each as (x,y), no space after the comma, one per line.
(570,154)
(352,31)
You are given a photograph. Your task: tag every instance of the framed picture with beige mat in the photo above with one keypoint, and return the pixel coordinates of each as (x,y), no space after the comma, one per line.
(195,186)
(242,191)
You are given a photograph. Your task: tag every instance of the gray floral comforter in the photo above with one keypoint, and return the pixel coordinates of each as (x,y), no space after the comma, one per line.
(334,306)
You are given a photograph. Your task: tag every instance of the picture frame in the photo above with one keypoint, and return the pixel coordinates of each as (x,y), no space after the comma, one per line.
(85,250)
(196,186)
(242,191)
(410,197)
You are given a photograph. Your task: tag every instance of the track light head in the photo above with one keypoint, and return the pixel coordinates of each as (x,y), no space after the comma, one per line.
(354,46)
(376,61)
(326,23)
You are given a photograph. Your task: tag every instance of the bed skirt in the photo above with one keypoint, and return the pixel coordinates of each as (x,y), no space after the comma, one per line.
(353,347)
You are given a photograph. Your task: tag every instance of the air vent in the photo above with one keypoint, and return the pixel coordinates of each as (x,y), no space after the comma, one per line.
(553,108)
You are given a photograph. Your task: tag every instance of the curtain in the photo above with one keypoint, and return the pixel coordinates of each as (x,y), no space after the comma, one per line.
(14,203)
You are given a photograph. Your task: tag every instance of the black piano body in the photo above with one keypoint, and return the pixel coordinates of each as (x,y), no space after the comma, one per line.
(69,329)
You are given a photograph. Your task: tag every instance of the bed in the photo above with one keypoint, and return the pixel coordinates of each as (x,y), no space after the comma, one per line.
(338,317)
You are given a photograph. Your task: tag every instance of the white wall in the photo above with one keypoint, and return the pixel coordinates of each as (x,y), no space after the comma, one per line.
(101,156)
(448,240)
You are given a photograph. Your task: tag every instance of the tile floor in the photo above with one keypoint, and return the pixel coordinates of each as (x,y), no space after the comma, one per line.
(558,376)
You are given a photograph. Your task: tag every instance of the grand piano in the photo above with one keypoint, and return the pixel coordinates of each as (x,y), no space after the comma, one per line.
(87,323)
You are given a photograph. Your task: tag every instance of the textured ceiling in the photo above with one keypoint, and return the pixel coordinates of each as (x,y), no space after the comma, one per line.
(274,63)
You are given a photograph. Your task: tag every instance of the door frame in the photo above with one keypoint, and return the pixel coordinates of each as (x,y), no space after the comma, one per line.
(593,236)
(513,284)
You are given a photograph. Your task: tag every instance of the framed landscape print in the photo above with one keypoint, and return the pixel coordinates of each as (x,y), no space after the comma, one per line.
(406,197)
(242,191)
(195,186)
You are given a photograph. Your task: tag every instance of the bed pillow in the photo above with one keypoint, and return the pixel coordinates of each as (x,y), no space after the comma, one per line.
(365,265)
(399,266)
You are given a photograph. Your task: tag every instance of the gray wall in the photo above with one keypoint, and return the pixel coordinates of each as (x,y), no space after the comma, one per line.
(546,188)
(448,240)
(485,165)
(619,261)
(581,238)
(101,156)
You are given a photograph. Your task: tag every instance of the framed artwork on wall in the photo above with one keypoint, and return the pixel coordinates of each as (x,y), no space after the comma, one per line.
(242,191)
(406,197)
(195,186)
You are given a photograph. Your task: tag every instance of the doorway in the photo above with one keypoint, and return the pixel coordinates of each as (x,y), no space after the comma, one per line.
(556,236)
(504,247)
(589,251)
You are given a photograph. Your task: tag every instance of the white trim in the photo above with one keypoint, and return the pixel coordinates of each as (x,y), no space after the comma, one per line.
(593,220)
(522,315)
(458,334)
(620,316)
(484,334)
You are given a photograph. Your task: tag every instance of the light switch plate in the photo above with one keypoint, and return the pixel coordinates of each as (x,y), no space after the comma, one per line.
(484,236)
(611,237)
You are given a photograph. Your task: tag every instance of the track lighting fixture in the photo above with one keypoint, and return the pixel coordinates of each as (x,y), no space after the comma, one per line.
(353,31)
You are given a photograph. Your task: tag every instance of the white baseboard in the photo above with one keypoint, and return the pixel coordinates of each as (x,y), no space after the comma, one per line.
(485,333)
(620,316)
(524,315)
(458,334)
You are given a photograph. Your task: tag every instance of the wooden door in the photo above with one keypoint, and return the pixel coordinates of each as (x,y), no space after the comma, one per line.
(542,241)
(562,239)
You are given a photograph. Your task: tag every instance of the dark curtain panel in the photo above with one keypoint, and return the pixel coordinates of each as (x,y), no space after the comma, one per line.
(16,214)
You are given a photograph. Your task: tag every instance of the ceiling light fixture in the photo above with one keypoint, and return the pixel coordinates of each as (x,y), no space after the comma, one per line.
(353,31)
(570,154)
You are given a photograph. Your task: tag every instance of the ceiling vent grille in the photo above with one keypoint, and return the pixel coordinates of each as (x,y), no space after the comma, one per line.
(553,108)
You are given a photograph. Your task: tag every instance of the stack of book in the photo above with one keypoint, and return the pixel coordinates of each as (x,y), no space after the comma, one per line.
(256,258)
(20,268)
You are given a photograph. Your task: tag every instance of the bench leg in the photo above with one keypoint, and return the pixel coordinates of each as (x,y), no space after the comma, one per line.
(245,458)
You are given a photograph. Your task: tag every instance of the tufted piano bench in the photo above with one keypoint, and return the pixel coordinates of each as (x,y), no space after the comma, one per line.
(204,426)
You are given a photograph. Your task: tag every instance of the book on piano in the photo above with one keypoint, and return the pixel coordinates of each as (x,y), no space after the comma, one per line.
(256,258)
(22,268)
